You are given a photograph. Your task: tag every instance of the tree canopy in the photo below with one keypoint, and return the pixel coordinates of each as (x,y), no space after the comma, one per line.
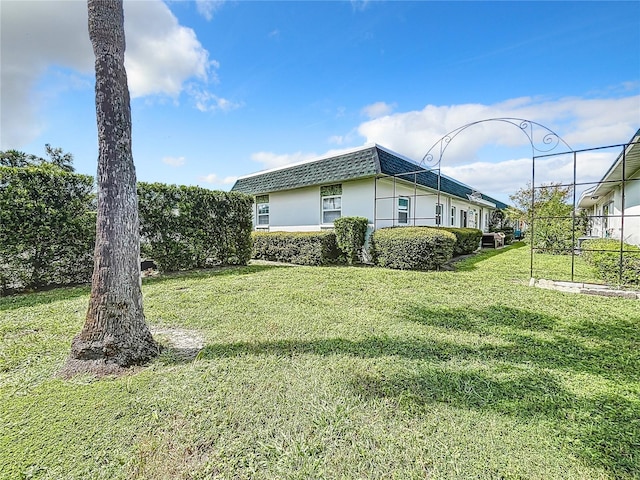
(55,156)
(547,213)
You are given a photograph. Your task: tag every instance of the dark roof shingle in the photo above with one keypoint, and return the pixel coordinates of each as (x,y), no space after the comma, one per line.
(365,162)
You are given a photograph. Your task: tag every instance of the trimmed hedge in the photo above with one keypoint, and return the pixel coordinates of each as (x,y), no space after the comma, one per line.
(467,239)
(183,228)
(350,236)
(47,227)
(412,248)
(304,248)
(604,254)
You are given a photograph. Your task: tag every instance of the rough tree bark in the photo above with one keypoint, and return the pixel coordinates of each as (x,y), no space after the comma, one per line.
(115,333)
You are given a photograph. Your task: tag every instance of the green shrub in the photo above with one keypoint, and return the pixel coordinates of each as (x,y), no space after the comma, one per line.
(350,236)
(304,248)
(467,239)
(604,254)
(412,248)
(47,227)
(182,227)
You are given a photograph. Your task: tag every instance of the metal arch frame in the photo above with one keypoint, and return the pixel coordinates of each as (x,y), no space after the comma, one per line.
(549,141)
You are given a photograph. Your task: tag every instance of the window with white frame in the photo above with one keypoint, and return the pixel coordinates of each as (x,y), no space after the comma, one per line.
(453,216)
(463,218)
(438,214)
(262,210)
(607,211)
(331,196)
(403,210)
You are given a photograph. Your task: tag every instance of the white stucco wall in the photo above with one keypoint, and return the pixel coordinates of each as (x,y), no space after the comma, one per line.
(632,210)
(300,209)
(422,203)
(423,206)
(614,225)
(293,208)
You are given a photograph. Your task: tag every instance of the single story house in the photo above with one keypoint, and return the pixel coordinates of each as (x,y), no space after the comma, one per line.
(614,203)
(370,181)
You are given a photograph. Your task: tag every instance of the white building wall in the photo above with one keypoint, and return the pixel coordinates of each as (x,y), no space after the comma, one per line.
(301,209)
(632,210)
(358,198)
(422,204)
(295,210)
(612,227)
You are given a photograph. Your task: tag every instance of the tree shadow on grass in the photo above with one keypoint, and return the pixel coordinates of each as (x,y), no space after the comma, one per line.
(519,376)
(607,349)
(602,429)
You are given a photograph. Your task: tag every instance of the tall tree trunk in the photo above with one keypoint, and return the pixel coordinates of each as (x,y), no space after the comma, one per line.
(115,331)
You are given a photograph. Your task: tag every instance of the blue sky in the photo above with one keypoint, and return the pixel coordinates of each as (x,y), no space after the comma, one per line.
(226,88)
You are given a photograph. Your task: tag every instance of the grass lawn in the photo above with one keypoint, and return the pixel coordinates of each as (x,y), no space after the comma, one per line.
(336,372)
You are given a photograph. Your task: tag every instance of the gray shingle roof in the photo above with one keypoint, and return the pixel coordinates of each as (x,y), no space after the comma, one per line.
(362,163)
(358,164)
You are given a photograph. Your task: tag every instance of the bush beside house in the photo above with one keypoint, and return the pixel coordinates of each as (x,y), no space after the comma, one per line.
(412,248)
(467,239)
(303,248)
(604,254)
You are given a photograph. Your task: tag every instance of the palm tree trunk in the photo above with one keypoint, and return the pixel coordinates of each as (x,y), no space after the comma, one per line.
(115,330)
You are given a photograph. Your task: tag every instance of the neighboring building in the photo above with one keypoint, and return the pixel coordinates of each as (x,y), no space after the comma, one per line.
(370,181)
(614,204)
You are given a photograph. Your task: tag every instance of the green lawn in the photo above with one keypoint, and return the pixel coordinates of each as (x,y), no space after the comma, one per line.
(335,372)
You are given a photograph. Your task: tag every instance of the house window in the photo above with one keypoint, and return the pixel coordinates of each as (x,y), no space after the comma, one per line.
(439,214)
(607,211)
(453,216)
(262,210)
(403,210)
(463,218)
(331,202)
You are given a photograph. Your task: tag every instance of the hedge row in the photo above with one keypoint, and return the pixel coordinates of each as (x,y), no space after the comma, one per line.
(467,240)
(183,228)
(47,227)
(604,254)
(412,248)
(304,248)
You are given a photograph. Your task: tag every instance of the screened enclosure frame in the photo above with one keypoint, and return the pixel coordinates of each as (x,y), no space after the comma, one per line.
(544,145)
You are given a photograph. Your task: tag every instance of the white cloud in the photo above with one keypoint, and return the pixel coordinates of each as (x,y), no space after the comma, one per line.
(505,177)
(216,180)
(207,8)
(206,101)
(580,122)
(272,160)
(174,161)
(337,139)
(161,56)
(359,5)
(378,109)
